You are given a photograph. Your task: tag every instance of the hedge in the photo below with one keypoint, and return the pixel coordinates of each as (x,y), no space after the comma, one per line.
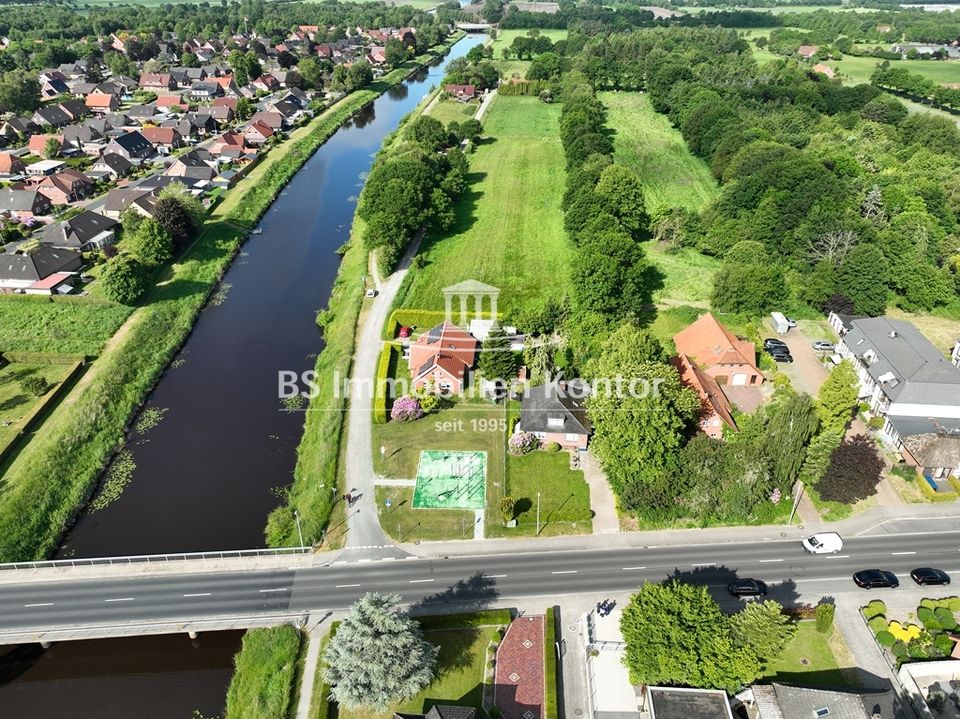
(550,664)
(42,357)
(878,623)
(874,609)
(387,355)
(886,639)
(488,618)
(932,495)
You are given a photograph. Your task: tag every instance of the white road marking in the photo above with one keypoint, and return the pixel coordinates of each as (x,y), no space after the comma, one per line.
(704,564)
(278,589)
(419,581)
(630,569)
(120,599)
(765,561)
(896,554)
(40,604)
(566,571)
(345,586)
(838,556)
(198,594)
(494,576)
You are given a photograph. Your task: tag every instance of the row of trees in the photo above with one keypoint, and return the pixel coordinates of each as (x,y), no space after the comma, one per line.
(902,80)
(413,185)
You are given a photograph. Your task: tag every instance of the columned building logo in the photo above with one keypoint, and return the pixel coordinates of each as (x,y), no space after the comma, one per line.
(464,291)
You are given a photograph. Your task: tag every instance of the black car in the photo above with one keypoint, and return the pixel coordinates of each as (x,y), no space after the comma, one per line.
(747,588)
(770,343)
(929,575)
(876,579)
(782,357)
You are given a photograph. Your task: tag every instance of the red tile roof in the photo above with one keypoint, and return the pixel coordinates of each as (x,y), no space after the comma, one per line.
(708,343)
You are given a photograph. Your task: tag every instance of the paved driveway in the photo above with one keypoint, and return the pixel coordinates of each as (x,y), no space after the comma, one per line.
(807,372)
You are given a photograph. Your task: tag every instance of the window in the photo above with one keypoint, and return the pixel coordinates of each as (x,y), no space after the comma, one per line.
(555,422)
(571,437)
(824,711)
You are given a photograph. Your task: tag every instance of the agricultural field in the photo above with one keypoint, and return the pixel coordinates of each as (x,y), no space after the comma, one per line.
(780,10)
(646,141)
(509,229)
(859,69)
(514,67)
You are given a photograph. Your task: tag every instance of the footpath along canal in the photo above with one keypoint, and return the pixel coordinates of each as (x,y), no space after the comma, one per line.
(206,475)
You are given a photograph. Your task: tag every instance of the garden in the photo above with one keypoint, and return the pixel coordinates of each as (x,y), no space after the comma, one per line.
(22,385)
(928,636)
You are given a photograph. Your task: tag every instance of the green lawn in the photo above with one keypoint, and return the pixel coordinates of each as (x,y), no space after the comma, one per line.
(564,496)
(67,325)
(859,69)
(821,667)
(687,274)
(459,677)
(779,10)
(406,524)
(647,142)
(509,230)
(15,403)
(513,67)
(447,111)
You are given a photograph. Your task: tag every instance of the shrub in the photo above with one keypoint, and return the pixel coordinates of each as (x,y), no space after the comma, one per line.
(946,619)
(825,614)
(886,639)
(899,651)
(953,603)
(944,644)
(878,624)
(37,386)
(523,442)
(904,633)
(552,447)
(406,409)
(507,507)
(380,389)
(926,617)
(124,280)
(874,609)
(853,472)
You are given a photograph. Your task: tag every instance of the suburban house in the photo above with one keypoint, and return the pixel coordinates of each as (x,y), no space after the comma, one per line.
(65,187)
(102,103)
(205,90)
(17,126)
(37,145)
(272,119)
(45,168)
(26,272)
(86,231)
(257,133)
(164,139)
(191,164)
(912,385)
(556,412)
(121,199)
(719,353)
(157,81)
(223,114)
(112,165)
(171,102)
(442,711)
(227,141)
(52,88)
(442,356)
(266,83)
(132,146)
(10,165)
(50,116)
(75,109)
(784,701)
(463,93)
(807,51)
(716,410)
(24,204)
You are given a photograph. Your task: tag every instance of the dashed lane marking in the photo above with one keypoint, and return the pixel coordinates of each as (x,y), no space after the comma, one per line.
(198,594)
(120,599)
(39,604)
(420,581)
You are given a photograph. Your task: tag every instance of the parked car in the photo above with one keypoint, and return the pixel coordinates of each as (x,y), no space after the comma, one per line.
(782,357)
(771,342)
(822,543)
(876,579)
(823,346)
(928,575)
(747,588)
(404,333)
(371,292)
(791,323)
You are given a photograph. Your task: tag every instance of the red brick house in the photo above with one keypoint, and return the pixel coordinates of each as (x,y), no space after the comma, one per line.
(718,352)
(443,355)
(102,103)
(11,164)
(65,187)
(38,143)
(557,413)
(164,139)
(157,81)
(257,133)
(716,410)
(171,102)
(807,51)
(463,93)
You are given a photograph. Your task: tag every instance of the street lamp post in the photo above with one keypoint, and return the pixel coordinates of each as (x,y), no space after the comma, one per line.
(538,514)
(296,515)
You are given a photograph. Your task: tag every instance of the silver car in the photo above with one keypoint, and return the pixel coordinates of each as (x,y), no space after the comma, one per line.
(823,346)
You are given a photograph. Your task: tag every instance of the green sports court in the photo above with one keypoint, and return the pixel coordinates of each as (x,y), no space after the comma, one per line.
(451,479)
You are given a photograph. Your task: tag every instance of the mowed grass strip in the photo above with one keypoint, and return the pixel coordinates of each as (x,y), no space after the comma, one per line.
(509,230)
(645,141)
(67,325)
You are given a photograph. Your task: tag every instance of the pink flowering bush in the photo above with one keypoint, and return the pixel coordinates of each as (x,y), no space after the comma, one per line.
(775,495)
(523,442)
(406,409)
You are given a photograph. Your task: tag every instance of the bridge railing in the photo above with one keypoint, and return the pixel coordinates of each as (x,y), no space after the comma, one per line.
(156,558)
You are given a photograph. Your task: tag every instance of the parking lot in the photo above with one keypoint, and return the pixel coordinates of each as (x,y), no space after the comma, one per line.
(806,372)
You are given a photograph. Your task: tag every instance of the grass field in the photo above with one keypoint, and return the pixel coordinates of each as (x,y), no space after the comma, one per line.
(15,403)
(781,10)
(818,651)
(514,67)
(564,496)
(447,111)
(687,274)
(859,69)
(68,325)
(509,229)
(264,681)
(406,524)
(648,143)
(459,674)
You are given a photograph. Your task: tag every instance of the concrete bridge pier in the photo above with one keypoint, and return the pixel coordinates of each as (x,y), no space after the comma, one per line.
(46,644)
(193,634)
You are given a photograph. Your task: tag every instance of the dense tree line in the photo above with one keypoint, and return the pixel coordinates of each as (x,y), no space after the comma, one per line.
(917,86)
(854,199)
(412,186)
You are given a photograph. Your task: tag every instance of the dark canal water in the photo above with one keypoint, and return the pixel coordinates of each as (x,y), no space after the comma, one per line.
(206,474)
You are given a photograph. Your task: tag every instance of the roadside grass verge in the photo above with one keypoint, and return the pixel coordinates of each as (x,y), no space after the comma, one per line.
(646,142)
(264,680)
(509,227)
(86,428)
(69,325)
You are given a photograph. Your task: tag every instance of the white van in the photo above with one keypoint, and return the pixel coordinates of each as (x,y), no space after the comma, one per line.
(823,543)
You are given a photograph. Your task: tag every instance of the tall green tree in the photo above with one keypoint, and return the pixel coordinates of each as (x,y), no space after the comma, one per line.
(124,280)
(792,422)
(621,193)
(763,629)
(151,245)
(837,397)
(676,635)
(19,92)
(863,278)
(378,655)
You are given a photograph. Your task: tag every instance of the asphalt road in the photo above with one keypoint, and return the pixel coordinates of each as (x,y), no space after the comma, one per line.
(477,580)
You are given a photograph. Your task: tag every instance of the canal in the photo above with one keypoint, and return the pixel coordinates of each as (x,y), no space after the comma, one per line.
(216,444)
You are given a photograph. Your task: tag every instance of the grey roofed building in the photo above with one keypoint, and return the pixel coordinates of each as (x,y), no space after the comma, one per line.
(80,232)
(781,701)
(119,199)
(286,107)
(23,201)
(131,145)
(117,119)
(75,108)
(76,134)
(555,407)
(115,164)
(670,703)
(83,88)
(23,125)
(141,112)
(38,264)
(51,115)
